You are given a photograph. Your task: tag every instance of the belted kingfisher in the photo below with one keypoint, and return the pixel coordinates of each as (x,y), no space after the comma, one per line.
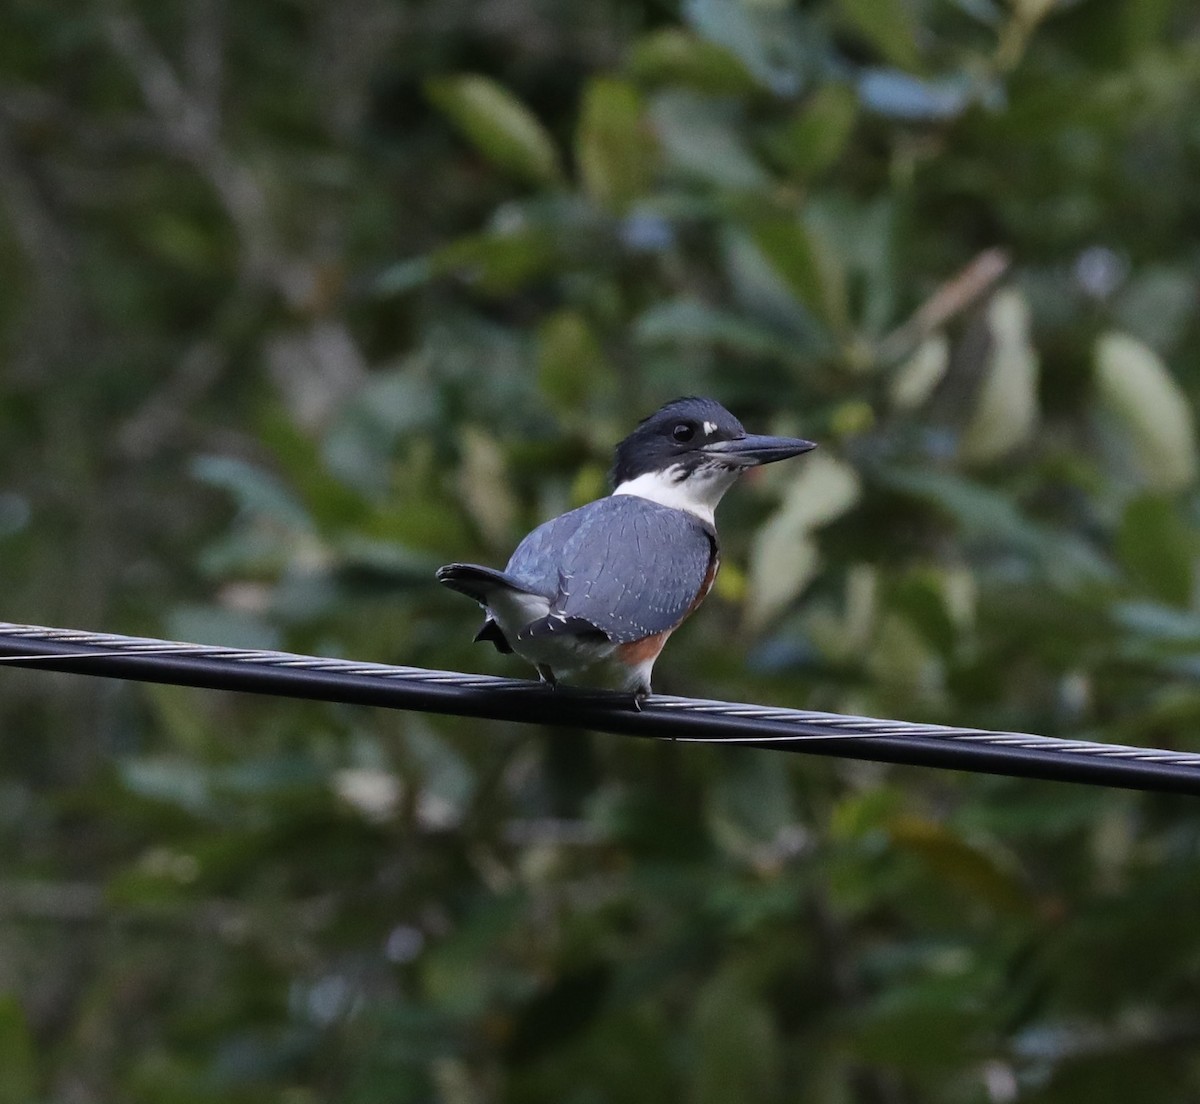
(610,581)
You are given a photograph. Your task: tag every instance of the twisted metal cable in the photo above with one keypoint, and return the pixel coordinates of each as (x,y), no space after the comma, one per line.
(694,720)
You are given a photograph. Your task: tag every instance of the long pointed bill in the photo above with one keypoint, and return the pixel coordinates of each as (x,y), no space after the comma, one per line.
(755,449)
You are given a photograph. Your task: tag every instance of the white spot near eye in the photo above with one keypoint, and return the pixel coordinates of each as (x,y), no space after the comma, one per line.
(710,428)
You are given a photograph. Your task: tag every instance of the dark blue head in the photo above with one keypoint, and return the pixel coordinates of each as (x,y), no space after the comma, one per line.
(696,436)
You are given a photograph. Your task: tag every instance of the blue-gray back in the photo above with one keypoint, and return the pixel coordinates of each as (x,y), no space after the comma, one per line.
(624,565)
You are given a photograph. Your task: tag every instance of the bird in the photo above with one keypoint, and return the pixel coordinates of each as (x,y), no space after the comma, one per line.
(606,584)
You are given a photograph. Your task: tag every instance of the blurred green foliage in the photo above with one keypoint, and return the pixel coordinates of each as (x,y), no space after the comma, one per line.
(301,300)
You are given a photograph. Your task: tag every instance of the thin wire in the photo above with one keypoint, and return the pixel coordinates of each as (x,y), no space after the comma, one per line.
(691,720)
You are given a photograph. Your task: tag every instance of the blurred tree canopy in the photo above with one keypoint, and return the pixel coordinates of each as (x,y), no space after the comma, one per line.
(300,300)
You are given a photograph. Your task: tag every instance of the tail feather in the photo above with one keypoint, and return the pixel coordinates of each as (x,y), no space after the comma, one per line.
(492,632)
(477,582)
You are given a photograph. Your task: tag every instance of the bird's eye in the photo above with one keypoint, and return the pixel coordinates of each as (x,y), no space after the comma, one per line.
(683,432)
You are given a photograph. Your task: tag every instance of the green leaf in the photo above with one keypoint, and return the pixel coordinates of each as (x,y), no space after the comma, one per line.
(783,557)
(1158,304)
(1139,391)
(1006,410)
(1157,624)
(502,261)
(181,242)
(501,127)
(750,802)
(175,781)
(816,136)
(257,492)
(922,597)
(808,263)
(915,380)
(615,147)
(990,519)
(857,244)
(737,1048)
(673,56)
(383,558)
(900,660)
(571,365)
(178,716)
(853,629)
(684,321)
(18,1065)
(964,866)
(779,45)
(390,407)
(447,779)
(932,1025)
(230,628)
(898,96)
(888,26)
(704,138)
(404,276)
(484,487)
(762,294)
(462,972)
(1157,549)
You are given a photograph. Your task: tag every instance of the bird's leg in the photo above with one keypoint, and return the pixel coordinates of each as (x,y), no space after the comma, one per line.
(606,698)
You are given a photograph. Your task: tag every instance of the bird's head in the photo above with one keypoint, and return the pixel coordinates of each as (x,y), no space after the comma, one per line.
(690,452)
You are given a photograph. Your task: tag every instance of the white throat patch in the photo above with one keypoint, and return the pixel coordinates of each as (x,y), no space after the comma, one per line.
(698,494)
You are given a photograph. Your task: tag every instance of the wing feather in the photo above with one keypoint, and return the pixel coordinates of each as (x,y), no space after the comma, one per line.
(622,566)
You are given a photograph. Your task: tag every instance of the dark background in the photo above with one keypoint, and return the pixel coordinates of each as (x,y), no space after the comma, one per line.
(299,300)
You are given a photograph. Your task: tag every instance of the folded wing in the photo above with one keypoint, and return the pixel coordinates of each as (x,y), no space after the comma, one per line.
(622,567)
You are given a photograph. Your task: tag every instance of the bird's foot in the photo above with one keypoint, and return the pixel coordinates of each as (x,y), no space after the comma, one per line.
(546,675)
(605,699)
